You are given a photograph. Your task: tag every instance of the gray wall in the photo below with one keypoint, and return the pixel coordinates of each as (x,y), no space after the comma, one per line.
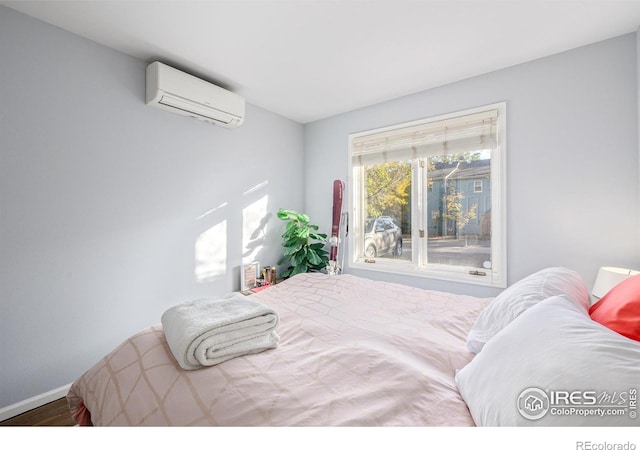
(572,157)
(111,210)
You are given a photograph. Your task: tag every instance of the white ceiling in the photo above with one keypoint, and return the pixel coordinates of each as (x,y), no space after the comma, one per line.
(307,60)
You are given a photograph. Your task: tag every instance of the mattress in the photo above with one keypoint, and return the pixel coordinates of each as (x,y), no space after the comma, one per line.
(352,352)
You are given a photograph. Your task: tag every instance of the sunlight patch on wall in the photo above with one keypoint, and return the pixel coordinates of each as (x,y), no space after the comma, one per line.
(211,253)
(211,211)
(256,188)
(254,228)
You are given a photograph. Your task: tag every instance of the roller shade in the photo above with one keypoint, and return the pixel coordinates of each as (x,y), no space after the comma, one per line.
(470,132)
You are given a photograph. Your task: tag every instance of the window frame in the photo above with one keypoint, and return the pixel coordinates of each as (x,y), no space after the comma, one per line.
(496,276)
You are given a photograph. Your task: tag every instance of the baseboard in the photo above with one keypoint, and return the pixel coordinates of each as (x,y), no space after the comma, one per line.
(34,402)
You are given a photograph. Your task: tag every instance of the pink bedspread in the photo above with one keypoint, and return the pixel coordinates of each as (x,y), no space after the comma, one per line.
(352,352)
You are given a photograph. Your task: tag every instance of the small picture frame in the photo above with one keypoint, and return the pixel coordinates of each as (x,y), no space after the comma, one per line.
(249,276)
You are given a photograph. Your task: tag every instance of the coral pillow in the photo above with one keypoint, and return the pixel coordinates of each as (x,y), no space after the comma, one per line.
(619,309)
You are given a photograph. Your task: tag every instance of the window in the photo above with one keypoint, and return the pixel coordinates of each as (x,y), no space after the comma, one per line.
(428,197)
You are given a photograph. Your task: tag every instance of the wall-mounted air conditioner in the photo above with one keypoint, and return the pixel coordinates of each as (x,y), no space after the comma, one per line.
(181,93)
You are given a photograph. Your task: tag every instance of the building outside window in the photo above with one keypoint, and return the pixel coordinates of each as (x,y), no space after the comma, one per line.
(428,197)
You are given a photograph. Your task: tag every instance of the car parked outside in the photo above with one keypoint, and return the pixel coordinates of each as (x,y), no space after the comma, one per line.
(382,236)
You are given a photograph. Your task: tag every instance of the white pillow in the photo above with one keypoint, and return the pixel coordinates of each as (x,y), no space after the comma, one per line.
(521,296)
(551,355)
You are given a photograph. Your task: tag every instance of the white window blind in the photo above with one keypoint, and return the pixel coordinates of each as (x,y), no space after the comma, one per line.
(475,131)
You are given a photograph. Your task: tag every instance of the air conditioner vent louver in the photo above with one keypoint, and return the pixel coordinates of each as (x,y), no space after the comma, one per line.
(184,94)
(194,109)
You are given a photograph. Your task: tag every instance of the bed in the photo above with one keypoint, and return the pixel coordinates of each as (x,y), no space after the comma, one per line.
(352,352)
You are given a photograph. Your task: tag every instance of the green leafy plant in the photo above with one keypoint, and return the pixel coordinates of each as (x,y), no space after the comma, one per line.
(303,247)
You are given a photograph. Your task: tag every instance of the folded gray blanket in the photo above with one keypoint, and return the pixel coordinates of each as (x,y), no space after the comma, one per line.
(208,331)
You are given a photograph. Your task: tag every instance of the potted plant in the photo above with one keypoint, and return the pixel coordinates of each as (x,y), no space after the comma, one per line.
(303,247)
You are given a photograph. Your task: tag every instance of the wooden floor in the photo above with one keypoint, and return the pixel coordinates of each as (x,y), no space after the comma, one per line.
(54,414)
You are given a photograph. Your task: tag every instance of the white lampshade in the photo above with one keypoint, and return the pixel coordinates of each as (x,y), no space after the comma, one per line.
(608,277)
